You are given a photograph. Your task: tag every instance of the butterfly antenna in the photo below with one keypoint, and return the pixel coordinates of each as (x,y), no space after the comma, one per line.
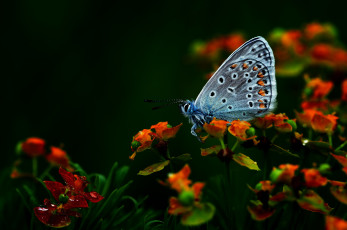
(168,102)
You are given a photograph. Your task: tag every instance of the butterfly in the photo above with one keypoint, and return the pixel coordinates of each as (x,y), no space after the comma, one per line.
(243,87)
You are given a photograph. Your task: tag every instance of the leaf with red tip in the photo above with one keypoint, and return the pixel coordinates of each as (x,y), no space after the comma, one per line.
(212,150)
(200,214)
(311,201)
(259,213)
(77,201)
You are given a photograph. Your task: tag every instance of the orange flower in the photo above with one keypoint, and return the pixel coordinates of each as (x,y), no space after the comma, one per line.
(340,57)
(313,29)
(283,124)
(242,130)
(264,122)
(339,191)
(321,104)
(265,185)
(324,123)
(320,88)
(59,157)
(335,223)
(165,131)
(305,118)
(291,37)
(284,173)
(189,196)
(313,178)
(33,146)
(141,141)
(344,90)
(216,128)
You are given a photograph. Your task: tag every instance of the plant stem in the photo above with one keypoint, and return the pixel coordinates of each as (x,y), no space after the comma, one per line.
(341,146)
(264,133)
(34,166)
(169,157)
(330,140)
(48,169)
(222,143)
(310,134)
(235,145)
(274,138)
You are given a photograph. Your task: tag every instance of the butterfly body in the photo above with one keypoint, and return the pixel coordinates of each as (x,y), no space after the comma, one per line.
(243,87)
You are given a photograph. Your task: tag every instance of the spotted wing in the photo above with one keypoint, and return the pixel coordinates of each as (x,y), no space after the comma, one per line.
(244,86)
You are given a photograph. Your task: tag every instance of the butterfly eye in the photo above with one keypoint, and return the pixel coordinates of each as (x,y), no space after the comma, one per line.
(186,107)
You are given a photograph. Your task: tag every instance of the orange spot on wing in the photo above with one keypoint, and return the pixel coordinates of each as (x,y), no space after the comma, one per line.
(261,92)
(260,100)
(260,74)
(262,106)
(260,82)
(233,66)
(255,68)
(244,66)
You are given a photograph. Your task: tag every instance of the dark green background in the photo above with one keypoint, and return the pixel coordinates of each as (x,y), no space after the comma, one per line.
(76,72)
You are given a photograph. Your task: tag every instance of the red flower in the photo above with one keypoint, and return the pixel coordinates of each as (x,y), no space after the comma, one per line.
(284,173)
(291,38)
(56,216)
(324,123)
(313,29)
(59,157)
(339,191)
(233,41)
(344,90)
(335,223)
(74,188)
(313,178)
(33,146)
(322,52)
(216,128)
(242,130)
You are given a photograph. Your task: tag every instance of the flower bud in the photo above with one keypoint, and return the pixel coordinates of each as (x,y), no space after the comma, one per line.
(308,92)
(169,126)
(324,168)
(250,132)
(135,145)
(63,198)
(293,124)
(186,198)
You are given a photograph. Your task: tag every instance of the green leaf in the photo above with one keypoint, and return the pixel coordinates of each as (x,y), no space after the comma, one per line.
(153,168)
(319,146)
(311,201)
(183,157)
(244,160)
(291,69)
(109,179)
(214,149)
(199,215)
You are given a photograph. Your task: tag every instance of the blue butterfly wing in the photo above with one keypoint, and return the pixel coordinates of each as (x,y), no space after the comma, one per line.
(244,86)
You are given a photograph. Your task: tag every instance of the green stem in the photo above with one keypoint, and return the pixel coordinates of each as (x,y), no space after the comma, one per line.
(169,157)
(274,138)
(34,166)
(264,133)
(310,134)
(330,140)
(235,145)
(222,143)
(44,174)
(341,146)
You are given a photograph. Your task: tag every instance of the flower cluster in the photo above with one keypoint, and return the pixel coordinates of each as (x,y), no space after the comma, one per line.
(34,147)
(293,185)
(188,203)
(68,198)
(156,138)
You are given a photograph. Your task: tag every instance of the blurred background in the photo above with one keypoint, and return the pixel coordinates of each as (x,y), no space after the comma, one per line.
(75,73)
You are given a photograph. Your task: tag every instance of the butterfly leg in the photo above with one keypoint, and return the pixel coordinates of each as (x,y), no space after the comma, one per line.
(194,133)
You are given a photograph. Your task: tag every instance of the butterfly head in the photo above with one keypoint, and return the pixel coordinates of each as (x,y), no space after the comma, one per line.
(187,108)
